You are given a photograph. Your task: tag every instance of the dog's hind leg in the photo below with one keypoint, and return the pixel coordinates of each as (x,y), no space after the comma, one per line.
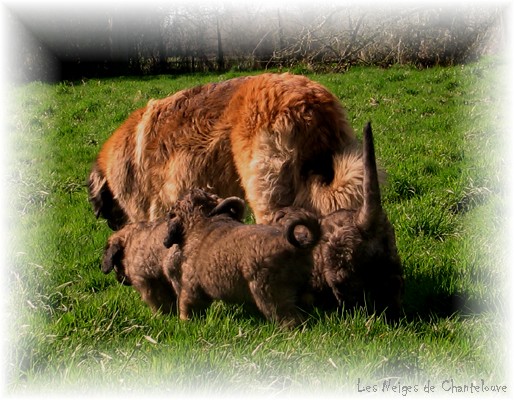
(270,180)
(277,304)
(156,293)
(192,300)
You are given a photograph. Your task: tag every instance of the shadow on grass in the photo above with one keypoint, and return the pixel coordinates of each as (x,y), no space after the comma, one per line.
(426,297)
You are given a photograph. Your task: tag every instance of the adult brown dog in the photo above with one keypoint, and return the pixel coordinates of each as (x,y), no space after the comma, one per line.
(277,140)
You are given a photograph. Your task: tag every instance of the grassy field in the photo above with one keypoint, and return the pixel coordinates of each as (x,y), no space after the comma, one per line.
(440,135)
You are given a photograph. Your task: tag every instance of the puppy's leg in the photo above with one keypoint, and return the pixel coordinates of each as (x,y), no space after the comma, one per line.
(270,179)
(192,301)
(157,294)
(192,298)
(276,302)
(185,303)
(162,297)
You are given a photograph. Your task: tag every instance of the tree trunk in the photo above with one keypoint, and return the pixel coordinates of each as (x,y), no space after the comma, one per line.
(220,58)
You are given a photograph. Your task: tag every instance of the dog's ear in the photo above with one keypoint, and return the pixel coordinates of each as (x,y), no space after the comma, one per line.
(96,185)
(234,206)
(112,255)
(175,233)
(103,202)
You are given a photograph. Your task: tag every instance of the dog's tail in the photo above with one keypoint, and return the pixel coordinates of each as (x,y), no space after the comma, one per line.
(303,232)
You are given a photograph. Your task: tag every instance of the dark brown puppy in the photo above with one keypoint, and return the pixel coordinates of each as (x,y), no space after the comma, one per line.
(357,260)
(224,259)
(138,256)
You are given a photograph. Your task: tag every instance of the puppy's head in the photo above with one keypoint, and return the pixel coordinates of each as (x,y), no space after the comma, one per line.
(196,202)
(102,200)
(362,266)
(359,247)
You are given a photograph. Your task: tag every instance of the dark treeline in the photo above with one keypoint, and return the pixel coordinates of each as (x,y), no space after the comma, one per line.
(56,44)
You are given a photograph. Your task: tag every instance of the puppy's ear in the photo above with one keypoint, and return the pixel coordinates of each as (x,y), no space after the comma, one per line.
(112,255)
(175,234)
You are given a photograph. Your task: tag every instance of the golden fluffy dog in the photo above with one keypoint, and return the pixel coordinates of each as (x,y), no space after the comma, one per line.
(277,140)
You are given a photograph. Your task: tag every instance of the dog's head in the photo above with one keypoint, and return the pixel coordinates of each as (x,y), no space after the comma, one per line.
(358,248)
(195,207)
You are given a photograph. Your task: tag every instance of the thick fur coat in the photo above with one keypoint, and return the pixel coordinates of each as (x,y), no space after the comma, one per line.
(224,259)
(138,255)
(276,139)
(356,261)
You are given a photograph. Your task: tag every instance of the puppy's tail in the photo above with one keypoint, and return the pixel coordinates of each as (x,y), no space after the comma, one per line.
(303,232)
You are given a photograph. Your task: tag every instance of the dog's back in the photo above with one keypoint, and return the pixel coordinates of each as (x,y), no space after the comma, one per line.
(232,255)
(228,260)
(277,139)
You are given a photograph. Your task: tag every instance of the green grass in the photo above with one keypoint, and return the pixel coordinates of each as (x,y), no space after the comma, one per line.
(439,134)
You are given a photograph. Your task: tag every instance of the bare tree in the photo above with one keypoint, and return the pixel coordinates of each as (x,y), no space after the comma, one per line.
(170,37)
